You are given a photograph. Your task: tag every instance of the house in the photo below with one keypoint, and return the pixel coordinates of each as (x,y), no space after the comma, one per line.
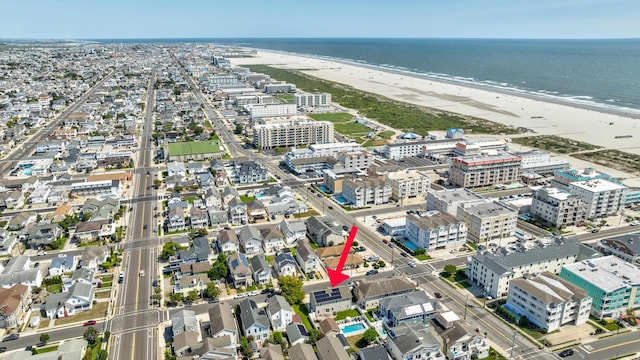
(239,270)
(228,241)
(100,209)
(184,321)
(330,301)
(198,252)
(249,172)
(272,239)
(250,239)
(330,348)
(176,168)
(14,302)
(377,352)
(93,256)
(68,303)
(18,271)
(328,326)
(199,218)
(61,265)
(285,265)
(221,179)
(12,199)
(194,268)
(279,312)
(254,321)
(324,230)
(197,282)
(413,341)
(228,194)
(7,241)
(222,323)
(21,220)
(256,210)
(82,275)
(261,270)
(369,293)
(626,247)
(237,211)
(272,352)
(302,352)
(218,217)
(462,343)
(296,333)
(306,257)
(175,220)
(293,231)
(213,199)
(90,230)
(415,306)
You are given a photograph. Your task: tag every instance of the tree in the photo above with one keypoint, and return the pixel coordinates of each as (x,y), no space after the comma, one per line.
(176,297)
(238,130)
(277,337)
(193,295)
(315,335)
(291,288)
(212,290)
(219,269)
(169,249)
(91,335)
(450,268)
(370,335)
(44,338)
(244,347)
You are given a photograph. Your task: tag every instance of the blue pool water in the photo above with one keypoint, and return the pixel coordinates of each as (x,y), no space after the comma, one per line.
(259,195)
(353,328)
(341,200)
(27,172)
(411,246)
(323,188)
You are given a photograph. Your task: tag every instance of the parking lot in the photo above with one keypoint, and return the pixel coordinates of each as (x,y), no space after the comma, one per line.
(415,162)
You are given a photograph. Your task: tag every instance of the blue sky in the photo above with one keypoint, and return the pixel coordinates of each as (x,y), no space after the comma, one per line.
(94,19)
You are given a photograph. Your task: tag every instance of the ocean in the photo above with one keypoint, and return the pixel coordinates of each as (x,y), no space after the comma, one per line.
(600,73)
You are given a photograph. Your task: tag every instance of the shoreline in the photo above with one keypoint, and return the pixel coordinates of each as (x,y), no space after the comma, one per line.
(511,108)
(555,99)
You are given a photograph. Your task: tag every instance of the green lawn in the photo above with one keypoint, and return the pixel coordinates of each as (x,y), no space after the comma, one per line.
(333,117)
(423,257)
(43,350)
(304,314)
(105,294)
(193,148)
(494,355)
(96,313)
(54,288)
(351,128)
(386,134)
(341,315)
(285,98)
(246,199)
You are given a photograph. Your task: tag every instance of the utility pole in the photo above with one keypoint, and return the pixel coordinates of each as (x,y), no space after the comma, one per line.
(513,344)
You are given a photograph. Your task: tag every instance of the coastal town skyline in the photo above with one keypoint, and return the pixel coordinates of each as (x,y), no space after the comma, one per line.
(36,19)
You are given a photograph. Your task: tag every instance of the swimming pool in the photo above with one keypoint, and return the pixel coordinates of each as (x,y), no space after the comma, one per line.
(341,200)
(411,246)
(352,328)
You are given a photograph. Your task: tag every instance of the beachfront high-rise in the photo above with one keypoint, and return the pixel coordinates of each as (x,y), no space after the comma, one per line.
(557,207)
(292,132)
(602,197)
(315,99)
(485,170)
(611,282)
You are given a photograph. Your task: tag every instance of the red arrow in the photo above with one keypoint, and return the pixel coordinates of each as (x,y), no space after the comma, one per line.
(336,276)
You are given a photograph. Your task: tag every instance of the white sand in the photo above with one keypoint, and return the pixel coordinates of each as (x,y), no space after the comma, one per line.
(581,124)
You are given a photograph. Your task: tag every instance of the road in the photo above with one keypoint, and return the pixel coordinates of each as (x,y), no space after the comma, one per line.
(134,329)
(609,348)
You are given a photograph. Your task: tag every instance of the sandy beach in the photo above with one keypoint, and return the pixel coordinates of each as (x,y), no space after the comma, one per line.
(544,118)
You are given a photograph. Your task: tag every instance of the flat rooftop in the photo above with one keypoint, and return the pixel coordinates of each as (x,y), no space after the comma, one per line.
(453,195)
(489,209)
(598,185)
(609,273)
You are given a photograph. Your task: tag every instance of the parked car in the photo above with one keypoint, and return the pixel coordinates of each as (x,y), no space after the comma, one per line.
(437,295)
(372,272)
(11,337)
(311,276)
(565,353)
(386,241)
(330,207)
(3,349)
(595,231)
(89,323)
(345,228)
(404,254)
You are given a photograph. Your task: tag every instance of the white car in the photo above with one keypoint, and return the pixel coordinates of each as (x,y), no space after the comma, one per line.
(141,272)
(41,253)
(412,264)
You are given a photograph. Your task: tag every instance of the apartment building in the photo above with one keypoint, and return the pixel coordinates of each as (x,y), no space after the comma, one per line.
(355,160)
(601,197)
(626,247)
(362,192)
(437,148)
(494,271)
(540,162)
(333,178)
(556,207)
(488,220)
(488,170)
(612,283)
(449,199)
(407,184)
(548,301)
(435,231)
(312,100)
(269,110)
(292,132)
(279,88)
(562,179)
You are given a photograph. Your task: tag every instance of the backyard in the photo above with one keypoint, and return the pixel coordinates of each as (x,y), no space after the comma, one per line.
(352,313)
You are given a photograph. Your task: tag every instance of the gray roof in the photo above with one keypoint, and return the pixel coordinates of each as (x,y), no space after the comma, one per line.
(296,331)
(54,301)
(377,352)
(408,305)
(184,321)
(259,263)
(247,233)
(386,286)
(277,304)
(65,261)
(83,273)
(304,250)
(17,263)
(199,250)
(221,319)
(628,244)
(409,338)
(21,277)
(489,209)
(559,248)
(250,315)
(434,221)
(226,236)
(81,290)
(330,348)
(283,259)
(302,352)
(270,233)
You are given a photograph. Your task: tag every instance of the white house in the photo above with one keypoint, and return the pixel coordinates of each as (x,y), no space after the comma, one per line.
(279,312)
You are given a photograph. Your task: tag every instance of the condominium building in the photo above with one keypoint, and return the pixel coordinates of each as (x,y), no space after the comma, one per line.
(435,148)
(540,162)
(562,179)
(315,99)
(362,192)
(489,220)
(626,247)
(601,197)
(292,133)
(358,160)
(612,283)
(279,88)
(490,170)
(493,272)
(548,301)
(319,150)
(407,184)
(556,207)
(268,110)
(435,231)
(449,199)
(333,178)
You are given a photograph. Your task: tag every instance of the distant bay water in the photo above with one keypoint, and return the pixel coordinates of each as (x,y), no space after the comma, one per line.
(600,73)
